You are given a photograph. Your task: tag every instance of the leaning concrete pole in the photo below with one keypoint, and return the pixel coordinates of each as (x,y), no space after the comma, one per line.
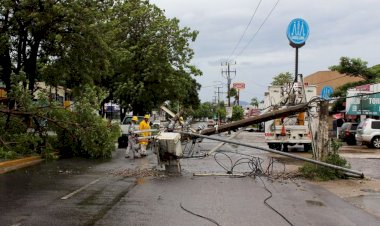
(323,132)
(257,119)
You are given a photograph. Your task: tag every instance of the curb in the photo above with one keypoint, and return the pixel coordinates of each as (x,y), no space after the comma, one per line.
(11,165)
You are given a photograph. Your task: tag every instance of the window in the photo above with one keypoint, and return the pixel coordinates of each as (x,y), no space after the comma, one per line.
(375,125)
(354,126)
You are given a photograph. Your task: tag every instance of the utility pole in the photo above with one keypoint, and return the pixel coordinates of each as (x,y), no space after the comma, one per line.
(218,93)
(227,74)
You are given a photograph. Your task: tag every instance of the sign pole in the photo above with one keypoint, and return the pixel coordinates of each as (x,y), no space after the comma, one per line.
(296,69)
(297,33)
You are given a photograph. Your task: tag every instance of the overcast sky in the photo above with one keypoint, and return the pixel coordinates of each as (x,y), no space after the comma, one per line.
(337,28)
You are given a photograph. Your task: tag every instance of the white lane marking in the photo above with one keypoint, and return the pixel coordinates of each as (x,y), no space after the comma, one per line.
(80,189)
(18,224)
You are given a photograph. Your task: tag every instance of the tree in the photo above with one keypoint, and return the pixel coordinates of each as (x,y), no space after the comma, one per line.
(204,110)
(237,113)
(81,132)
(282,79)
(255,102)
(153,63)
(234,94)
(56,41)
(356,67)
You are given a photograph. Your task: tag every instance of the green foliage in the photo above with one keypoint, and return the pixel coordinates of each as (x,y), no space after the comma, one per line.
(233,92)
(354,67)
(237,113)
(128,48)
(204,110)
(254,102)
(30,129)
(86,134)
(221,112)
(317,172)
(153,58)
(60,42)
(282,79)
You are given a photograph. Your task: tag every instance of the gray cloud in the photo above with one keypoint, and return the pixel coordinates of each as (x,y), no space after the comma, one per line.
(337,28)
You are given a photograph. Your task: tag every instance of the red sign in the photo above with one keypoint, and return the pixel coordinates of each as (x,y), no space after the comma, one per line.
(365,87)
(239,85)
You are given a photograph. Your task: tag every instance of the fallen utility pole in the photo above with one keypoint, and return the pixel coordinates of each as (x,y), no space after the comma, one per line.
(221,144)
(261,118)
(360,174)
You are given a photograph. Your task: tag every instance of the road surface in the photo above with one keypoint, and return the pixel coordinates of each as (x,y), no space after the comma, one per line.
(82,192)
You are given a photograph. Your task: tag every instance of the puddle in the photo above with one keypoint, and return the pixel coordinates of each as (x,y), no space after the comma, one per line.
(369,190)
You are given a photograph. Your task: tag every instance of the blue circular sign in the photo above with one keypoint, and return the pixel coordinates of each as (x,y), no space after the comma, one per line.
(298,31)
(326,92)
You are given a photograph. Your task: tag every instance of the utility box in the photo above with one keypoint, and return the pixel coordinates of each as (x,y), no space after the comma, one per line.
(170,143)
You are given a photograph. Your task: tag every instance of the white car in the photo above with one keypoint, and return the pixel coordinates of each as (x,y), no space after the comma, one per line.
(368,133)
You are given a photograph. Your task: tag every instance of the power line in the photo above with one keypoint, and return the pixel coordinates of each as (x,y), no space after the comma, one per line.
(262,24)
(246,28)
(330,80)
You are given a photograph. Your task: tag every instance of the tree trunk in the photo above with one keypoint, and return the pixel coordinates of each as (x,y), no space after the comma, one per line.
(323,132)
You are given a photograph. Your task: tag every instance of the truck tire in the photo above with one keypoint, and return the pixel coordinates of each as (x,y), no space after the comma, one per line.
(275,146)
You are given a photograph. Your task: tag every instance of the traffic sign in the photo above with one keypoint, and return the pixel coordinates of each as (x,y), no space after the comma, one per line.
(298,32)
(326,92)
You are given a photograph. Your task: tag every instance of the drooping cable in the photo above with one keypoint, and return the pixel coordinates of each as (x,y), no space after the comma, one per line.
(262,24)
(198,215)
(245,30)
(271,207)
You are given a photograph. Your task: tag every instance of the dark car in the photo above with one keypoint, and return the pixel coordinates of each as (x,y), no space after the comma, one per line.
(348,132)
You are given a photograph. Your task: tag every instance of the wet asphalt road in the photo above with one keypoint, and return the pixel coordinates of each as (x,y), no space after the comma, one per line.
(82,192)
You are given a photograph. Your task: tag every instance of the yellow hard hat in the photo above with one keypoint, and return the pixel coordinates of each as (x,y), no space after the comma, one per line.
(134,118)
(180,118)
(147,116)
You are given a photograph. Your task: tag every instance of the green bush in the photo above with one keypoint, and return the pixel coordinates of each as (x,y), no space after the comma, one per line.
(317,172)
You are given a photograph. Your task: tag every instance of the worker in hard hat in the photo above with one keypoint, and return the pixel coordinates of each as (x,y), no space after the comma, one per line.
(132,148)
(144,125)
(181,122)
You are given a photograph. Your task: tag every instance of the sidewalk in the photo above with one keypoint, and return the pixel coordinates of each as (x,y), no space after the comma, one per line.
(19,163)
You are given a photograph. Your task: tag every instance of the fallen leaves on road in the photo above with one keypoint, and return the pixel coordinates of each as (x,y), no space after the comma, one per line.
(138,173)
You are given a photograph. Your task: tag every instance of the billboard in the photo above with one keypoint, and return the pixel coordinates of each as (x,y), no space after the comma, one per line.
(239,85)
(362,103)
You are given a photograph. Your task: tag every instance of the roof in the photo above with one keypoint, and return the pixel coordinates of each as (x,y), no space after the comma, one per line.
(329,78)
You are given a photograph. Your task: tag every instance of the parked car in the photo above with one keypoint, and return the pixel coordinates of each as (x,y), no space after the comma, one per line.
(368,133)
(347,132)
(210,123)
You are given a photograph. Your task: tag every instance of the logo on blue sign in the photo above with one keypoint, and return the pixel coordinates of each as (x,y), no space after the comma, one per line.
(326,92)
(298,32)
